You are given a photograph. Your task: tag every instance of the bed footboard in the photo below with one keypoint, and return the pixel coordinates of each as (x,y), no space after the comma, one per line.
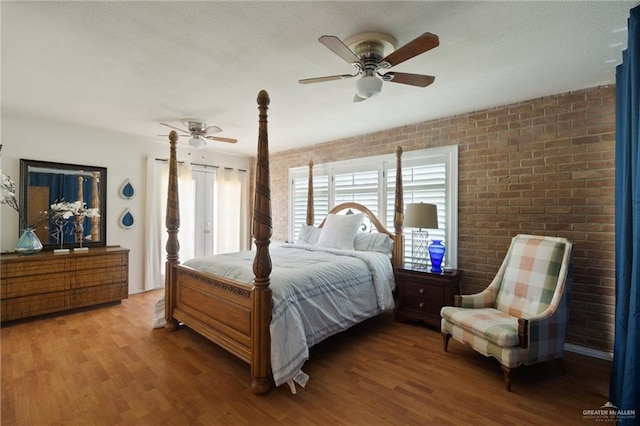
(217,308)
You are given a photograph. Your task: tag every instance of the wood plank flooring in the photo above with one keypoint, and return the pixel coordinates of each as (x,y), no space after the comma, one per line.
(109,367)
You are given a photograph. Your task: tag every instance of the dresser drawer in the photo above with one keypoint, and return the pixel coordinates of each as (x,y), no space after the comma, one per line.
(45,282)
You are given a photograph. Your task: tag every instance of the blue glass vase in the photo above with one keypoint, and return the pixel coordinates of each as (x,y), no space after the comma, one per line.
(28,243)
(436,253)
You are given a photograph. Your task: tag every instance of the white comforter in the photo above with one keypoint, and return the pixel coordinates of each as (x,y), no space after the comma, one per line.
(317,292)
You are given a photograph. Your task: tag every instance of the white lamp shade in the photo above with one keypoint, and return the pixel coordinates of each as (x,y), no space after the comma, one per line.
(368,86)
(421,215)
(196,142)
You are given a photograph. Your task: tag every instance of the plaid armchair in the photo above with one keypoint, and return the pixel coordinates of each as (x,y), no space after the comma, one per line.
(521,317)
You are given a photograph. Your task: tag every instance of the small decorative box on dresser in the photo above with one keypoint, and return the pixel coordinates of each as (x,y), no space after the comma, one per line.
(43,283)
(421,294)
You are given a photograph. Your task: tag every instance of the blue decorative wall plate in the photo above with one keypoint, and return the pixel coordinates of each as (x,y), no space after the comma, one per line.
(126,219)
(127,190)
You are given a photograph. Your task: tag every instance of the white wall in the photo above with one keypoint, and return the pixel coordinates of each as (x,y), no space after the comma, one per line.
(124,157)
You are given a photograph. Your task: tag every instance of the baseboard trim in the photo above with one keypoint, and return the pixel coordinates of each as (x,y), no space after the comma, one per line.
(594,353)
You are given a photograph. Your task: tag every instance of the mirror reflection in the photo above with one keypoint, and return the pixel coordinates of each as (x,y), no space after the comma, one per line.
(78,190)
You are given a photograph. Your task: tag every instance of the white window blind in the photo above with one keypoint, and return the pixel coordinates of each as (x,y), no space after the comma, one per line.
(358,187)
(421,184)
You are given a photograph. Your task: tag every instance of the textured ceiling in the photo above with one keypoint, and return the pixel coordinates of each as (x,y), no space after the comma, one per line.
(126,66)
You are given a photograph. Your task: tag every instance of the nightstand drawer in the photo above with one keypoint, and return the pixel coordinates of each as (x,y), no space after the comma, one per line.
(422,297)
(421,294)
(417,289)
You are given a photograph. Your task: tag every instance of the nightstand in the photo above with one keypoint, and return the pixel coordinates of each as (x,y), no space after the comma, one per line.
(421,294)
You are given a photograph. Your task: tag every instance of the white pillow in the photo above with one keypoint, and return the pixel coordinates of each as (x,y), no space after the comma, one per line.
(308,235)
(339,231)
(373,241)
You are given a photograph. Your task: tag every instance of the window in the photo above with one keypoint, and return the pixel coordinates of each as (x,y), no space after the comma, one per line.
(358,187)
(220,210)
(428,176)
(204,214)
(213,209)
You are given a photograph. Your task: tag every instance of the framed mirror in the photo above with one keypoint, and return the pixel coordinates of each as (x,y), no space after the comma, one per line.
(43,184)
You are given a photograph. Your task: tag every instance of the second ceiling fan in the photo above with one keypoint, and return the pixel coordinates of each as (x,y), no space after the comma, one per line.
(368,57)
(199,133)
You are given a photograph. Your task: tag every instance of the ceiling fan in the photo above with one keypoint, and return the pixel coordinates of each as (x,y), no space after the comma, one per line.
(199,133)
(366,52)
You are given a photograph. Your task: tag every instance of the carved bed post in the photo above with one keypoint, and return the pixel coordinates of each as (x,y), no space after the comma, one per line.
(95,204)
(80,219)
(172,224)
(262,231)
(310,211)
(398,217)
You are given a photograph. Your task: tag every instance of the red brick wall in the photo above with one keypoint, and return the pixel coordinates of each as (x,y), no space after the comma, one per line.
(544,166)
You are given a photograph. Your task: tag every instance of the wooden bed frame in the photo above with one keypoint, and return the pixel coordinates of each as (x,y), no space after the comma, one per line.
(230,313)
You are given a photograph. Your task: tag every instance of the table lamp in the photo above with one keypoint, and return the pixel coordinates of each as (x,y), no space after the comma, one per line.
(424,216)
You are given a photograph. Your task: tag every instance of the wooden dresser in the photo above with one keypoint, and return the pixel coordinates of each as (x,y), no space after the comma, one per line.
(45,282)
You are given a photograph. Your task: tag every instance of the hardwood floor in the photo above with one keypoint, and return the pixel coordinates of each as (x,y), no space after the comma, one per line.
(108,367)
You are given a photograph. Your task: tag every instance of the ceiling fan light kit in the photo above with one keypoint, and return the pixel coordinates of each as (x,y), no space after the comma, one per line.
(371,52)
(368,86)
(196,142)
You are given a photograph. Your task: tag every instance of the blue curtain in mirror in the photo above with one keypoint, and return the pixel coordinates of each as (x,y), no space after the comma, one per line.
(624,392)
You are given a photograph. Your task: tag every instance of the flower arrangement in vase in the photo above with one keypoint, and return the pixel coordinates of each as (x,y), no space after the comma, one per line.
(60,214)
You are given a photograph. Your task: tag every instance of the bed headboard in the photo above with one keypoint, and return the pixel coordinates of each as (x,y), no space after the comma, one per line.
(375,222)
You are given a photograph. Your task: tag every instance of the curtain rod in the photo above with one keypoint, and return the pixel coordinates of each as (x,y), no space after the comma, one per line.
(166,160)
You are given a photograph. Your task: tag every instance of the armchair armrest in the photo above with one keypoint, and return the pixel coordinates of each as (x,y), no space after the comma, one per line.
(547,330)
(523,333)
(484,299)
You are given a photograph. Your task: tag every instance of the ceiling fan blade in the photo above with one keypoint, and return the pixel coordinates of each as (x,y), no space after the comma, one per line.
(219,139)
(175,128)
(327,78)
(212,129)
(336,45)
(182,136)
(415,47)
(410,79)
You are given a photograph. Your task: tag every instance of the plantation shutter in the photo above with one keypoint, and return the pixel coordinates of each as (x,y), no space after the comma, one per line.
(422,183)
(358,187)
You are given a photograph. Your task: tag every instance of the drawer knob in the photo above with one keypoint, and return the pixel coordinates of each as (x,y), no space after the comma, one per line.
(421,291)
(421,305)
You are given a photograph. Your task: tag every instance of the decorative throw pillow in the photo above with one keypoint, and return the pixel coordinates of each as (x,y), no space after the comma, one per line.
(373,241)
(308,235)
(339,231)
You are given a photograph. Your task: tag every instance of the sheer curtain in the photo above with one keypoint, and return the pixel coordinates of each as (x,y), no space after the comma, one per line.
(231,210)
(155,229)
(624,392)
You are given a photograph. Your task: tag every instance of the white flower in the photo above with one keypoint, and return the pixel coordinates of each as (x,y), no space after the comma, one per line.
(8,192)
(66,210)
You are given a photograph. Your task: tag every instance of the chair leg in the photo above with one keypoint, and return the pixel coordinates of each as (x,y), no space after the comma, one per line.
(506,372)
(445,341)
(560,362)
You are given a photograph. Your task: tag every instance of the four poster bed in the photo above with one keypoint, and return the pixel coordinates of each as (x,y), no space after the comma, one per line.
(271,319)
